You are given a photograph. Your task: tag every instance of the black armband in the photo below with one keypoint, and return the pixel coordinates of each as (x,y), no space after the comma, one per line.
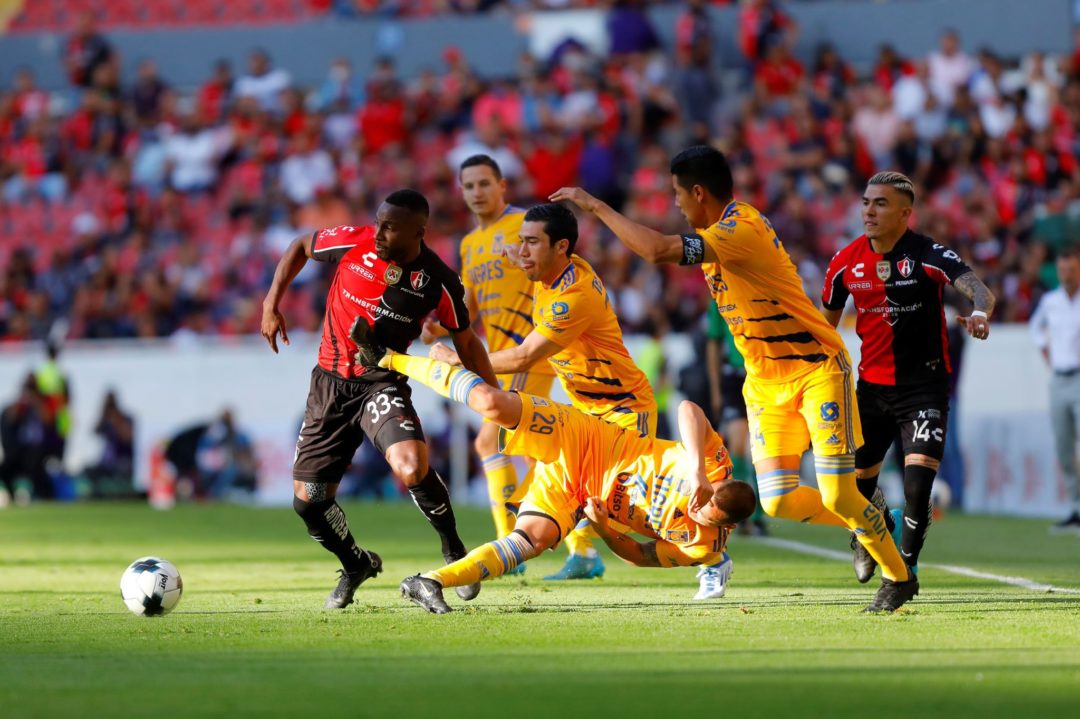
(693,250)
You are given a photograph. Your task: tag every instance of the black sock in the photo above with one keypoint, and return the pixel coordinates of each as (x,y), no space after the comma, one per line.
(327,525)
(918,481)
(433,499)
(867,486)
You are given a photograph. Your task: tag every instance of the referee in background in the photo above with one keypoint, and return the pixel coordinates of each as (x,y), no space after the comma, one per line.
(1056,328)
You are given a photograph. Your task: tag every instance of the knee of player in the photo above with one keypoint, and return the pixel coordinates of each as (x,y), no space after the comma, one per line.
(409,469)
(484,399)
(922,460)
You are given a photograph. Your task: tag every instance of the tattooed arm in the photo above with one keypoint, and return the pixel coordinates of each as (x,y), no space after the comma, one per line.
(980,295)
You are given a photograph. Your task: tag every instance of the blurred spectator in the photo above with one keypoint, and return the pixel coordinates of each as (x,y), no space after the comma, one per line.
(27,432)
(307,170)
(629,29)
(85,51)
(225,459)
(193,153)
(341,88)
(114,472)
(147,93)
(762,26)
(216,93)
(263,82)
(950,67)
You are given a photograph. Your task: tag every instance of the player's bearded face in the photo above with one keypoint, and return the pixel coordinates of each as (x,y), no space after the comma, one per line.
(688,205)
(398,233)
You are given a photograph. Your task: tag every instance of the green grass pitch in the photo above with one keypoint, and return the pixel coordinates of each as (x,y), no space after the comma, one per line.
(249,637)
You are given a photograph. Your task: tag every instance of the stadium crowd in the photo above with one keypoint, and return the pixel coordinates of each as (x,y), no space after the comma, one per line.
(149,210)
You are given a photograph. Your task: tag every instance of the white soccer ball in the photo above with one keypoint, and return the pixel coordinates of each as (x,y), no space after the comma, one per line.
(151,586)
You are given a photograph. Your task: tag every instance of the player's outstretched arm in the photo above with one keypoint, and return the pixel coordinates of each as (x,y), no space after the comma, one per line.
(651,245)
(693,431)
(473,355)
(292,261)
(640,554)
(978,323)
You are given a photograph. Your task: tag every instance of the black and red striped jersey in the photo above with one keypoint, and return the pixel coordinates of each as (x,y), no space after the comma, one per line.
(394,298)
(898,299)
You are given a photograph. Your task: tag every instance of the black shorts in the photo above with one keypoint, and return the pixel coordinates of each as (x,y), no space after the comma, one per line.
(731,385)
(340,413)
(919,414)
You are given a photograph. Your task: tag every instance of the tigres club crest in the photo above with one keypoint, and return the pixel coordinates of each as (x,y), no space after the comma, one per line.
(392,274)
(884,270)
(905,266)
(419,279)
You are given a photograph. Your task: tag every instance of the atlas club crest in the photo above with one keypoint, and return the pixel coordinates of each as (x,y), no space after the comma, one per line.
(419,279)
(905,266)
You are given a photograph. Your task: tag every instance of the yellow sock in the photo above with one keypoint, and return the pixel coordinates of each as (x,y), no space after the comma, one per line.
(782,496)
(502,481)
(579,541)
(451,382)
(836,477)
(486,561)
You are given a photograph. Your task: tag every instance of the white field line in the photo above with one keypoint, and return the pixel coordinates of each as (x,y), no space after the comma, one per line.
(951,568)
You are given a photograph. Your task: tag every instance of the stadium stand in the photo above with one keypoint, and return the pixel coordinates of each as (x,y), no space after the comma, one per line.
(143,209)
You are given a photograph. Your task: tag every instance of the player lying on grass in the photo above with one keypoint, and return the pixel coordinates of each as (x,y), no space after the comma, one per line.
(681,495)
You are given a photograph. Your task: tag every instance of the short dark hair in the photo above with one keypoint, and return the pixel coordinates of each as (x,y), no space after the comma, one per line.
(559,223)
(481,160)
(409,199)
(1068,252)
(736,499)
(705,166)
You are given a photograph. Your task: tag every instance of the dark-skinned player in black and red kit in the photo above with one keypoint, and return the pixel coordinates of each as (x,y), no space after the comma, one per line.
(388,279)
(896,277)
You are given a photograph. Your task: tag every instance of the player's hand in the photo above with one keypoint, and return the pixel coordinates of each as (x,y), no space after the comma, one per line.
(272,323)
(978,327)
(596,512)
(576,195)
(431,331)
(442,353)
(701,493)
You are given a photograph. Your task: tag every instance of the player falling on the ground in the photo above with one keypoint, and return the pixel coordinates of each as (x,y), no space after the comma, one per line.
(500,296)
(798,387)
(575,329)
(895,277)
(387,279)
(681,495)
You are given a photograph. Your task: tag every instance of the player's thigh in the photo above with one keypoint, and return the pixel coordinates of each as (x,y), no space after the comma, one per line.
(878,427)
(922,416)
(328,436)
(775,426)
(830,411)
(550,499)
(388,417)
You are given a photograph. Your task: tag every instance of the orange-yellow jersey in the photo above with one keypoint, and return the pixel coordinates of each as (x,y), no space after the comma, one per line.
(504,295)
(594,366)
(776,328)
(644,482)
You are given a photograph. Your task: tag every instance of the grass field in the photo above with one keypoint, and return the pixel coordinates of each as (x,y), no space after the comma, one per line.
(250,637)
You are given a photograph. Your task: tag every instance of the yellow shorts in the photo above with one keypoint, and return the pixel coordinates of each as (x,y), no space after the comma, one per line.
(817,409)
(567,446)
(533,383)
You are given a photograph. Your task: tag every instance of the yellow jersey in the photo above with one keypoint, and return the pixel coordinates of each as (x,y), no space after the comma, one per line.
(776,328)
(645,483)
(593,366)
(504,295)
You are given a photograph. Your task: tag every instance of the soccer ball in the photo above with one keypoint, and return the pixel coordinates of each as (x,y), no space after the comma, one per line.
(151,587)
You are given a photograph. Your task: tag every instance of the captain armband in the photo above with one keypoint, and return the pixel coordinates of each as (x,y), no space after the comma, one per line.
(693,250)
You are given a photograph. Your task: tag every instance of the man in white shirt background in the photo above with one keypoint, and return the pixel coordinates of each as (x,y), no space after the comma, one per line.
(1056,329)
